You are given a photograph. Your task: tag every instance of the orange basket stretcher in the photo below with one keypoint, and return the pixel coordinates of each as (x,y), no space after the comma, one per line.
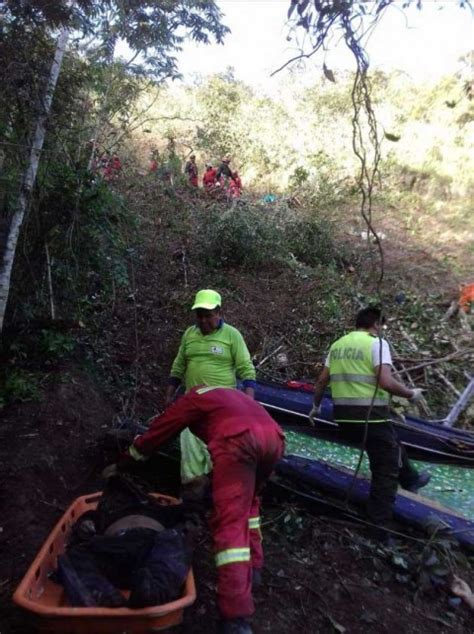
(46,600)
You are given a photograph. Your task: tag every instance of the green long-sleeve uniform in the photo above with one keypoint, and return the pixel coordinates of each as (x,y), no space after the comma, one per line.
(216,359)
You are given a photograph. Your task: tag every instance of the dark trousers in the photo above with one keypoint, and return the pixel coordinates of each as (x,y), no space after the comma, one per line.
(389,465)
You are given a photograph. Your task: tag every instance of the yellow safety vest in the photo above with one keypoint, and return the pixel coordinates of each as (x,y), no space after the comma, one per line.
(353,380)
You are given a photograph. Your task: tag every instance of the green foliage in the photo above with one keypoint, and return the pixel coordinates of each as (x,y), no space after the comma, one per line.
(248,236)
(89,233)
(56,344)
(240,236)
(156,30)
(18,386)
(223,99)
(311,240)
(299,177)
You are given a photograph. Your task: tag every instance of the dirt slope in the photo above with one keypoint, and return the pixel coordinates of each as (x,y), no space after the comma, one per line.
(320,575)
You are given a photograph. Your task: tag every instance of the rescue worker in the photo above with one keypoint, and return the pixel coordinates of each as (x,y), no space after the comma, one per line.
(224,169)
(245,444)
(211,353)
(153,165)
(235,186)
(358,364)
(209,178)
(191,171)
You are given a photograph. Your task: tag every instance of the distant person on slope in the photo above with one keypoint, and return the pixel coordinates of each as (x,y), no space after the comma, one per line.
(211,353)
(224,170)
(191,171)
(153,165)
(235,186)
(209,178)
(359,370)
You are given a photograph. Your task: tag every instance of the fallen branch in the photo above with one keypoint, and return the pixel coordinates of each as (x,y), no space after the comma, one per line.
(269,356)
(447,382)
(436,371)
(448,357)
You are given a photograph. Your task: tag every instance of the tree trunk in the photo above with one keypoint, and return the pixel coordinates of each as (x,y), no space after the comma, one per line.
(29,175)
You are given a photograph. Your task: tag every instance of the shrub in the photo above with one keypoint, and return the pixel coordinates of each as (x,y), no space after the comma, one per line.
(251,236)
(56,344)
(311,241)
(241,236)
(18,385)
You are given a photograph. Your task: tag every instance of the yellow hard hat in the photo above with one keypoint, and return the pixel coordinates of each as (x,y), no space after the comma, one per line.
(207,299)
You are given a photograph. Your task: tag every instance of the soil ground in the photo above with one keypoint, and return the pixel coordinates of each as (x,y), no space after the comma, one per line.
(321,575)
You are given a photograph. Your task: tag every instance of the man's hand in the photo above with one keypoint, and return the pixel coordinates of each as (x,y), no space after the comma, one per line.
(461,589)
(314,413)
(416,396)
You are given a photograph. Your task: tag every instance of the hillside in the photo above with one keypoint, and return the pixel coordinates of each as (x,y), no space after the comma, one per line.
(291,276)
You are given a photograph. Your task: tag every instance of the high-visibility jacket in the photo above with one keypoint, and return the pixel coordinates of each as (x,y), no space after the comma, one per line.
(353,380)
(214,359)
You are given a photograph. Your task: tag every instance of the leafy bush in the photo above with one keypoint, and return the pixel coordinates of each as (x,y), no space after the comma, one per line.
(299,176)
(241,236)
(56,344)
(89,233)
(18,385)
(250,236)
(311,241)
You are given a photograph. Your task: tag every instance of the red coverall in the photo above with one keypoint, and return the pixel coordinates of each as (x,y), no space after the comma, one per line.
(209,178)
(245,443)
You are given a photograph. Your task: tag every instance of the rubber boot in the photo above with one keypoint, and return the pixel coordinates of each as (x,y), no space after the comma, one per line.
(423,478)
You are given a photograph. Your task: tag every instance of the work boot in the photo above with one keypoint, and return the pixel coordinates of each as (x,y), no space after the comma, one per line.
(235,626)
(423,478)
(256,577)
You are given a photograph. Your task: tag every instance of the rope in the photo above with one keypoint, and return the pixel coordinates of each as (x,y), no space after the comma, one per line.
(362,105)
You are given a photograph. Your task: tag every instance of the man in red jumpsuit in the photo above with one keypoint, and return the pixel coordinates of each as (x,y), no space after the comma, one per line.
(235,185)
(245,443)
(209,178)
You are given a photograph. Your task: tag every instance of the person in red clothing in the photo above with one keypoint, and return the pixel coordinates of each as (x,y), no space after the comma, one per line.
(236,179)
(113,168)
(245,443)
(209,178)
(235,185)
(191,171)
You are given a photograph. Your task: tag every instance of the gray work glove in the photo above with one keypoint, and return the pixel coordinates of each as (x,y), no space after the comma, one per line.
(314,413)
(417,395)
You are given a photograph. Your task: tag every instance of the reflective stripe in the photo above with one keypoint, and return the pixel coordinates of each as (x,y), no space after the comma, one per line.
(203,390)
(135,454)
(254,522)
(232,556)
(365,402)
(358,378)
